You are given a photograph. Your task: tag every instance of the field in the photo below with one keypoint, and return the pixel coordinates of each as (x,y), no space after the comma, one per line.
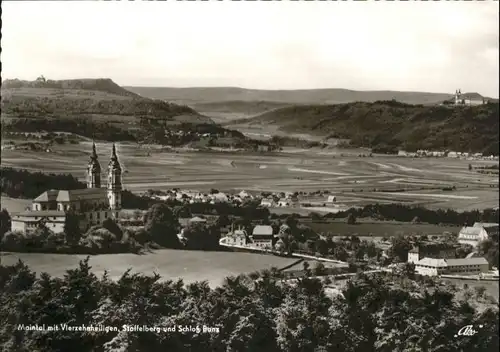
(355,180)
(191,266)
(381,229)
(219,98)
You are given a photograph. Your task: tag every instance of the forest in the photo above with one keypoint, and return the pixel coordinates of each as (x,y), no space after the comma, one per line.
(386,126)
(255,312)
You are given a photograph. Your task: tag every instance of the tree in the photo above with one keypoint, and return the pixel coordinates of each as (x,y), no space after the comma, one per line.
(320,269)
(182,211)
(340,253)
(201,236)
(161,223)
(111,225)
(314,216)
(72,227)
(400,248)
(4,222)
(321,246)
(351,219)
(223,221)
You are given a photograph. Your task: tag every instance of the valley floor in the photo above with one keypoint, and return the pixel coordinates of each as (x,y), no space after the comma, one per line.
(355,180)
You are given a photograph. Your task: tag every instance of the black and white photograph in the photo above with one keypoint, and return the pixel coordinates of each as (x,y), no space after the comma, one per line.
(249,176)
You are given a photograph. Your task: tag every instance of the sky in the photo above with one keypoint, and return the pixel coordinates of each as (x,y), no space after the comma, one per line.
(412,46)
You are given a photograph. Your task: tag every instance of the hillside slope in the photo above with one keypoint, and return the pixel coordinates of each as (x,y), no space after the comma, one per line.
(390,125)
(248,108)
(100,99)
(190,96)
(91,84)
(102,110)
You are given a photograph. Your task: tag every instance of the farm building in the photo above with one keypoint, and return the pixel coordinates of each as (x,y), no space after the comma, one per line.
(235,238)
(245,195)
(184,222)
(297,270)
(467,266)
(283,202)
(331,199)
(480,231)
(430,250)
(262,236)
(93,204)
(266,203)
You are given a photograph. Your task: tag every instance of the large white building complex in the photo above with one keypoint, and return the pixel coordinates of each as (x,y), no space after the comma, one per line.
(94,204)
(465,266)
(476,233)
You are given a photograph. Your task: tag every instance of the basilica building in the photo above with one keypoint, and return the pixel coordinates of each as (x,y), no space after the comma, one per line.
(93,204)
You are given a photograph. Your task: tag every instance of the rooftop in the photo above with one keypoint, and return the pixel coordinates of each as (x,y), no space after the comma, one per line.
(472,96)
(262,230)
(436,263)
(47,196)
(470,230)
(441,263)
(485,224)
(40,213)
(81,194)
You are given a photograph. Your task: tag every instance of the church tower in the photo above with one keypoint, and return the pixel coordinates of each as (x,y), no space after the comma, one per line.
(93,170)
(114,183)
(458,97)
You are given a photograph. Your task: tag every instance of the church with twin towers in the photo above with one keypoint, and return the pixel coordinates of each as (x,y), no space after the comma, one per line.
(93,204)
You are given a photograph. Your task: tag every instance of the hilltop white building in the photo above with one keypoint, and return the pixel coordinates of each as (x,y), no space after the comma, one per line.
(469,98)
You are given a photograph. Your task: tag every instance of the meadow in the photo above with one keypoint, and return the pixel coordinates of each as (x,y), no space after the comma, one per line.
(171,264)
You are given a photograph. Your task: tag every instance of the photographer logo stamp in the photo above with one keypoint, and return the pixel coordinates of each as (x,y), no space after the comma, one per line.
(468,330)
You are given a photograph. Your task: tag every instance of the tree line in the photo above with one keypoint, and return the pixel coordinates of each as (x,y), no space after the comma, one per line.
(254,312)
(409,213)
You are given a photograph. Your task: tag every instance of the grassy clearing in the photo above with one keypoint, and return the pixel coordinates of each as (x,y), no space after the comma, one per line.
(170,264)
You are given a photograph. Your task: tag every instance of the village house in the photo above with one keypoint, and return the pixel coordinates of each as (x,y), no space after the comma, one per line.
(431,250)
(185,222)
(268,203)
(480,231)
(465,266)
(331,199)
(219,198)
(283,202)
(235,238)
(92,205)
(262,236)
(245,195)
